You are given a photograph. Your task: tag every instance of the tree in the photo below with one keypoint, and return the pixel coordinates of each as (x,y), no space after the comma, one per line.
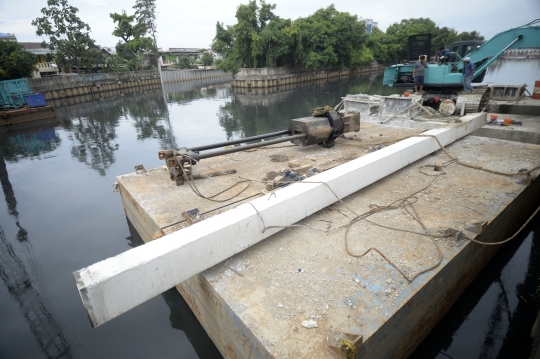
(68,36)
(262,39)
(15,61)
(473,35)
(132,35)
(223,41)
(207,59)
(392,45)
(377,44)
(330,38)
(397,36)
(125,29)
(444,36)
(115,64)
(186,62)
(145,14)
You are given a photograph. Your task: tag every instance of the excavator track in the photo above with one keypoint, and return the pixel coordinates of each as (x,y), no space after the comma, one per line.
(474,102)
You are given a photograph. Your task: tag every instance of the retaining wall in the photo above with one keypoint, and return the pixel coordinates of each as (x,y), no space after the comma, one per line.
(56,87)
(194,75)
(278,76)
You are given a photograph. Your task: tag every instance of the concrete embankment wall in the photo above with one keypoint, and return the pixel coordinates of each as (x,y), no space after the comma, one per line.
(278,76)
(92,99)
(56,87)
(218,76)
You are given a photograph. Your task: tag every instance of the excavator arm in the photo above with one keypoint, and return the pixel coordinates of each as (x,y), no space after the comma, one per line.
(450,75)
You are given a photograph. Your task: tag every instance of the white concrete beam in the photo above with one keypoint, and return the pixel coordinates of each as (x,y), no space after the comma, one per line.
(115,285)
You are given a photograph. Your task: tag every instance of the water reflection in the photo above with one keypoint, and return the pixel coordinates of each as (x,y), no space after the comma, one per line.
(41,322)
(181,317)
(492,319)
(256,111)
(196,88)
(9,196)
(21,287)
(93,140)
(92,128)
(17,144)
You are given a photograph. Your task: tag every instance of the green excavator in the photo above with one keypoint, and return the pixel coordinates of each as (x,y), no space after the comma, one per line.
(443,79)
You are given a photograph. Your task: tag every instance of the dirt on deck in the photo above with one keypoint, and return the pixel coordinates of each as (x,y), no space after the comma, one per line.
(253,170)
(305,272)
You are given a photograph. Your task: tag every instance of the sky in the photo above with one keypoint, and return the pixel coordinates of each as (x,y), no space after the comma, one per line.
(192,23)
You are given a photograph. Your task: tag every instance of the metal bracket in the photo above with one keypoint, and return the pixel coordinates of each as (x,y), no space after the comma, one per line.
(458,235)
(477,227)
(344,352)
(178,162)
(192,215)
(139,168)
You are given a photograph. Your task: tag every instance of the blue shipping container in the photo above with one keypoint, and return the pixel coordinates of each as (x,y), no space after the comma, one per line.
(35,100)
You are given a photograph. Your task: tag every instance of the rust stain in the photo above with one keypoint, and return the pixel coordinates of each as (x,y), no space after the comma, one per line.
(230,352)
(190,301)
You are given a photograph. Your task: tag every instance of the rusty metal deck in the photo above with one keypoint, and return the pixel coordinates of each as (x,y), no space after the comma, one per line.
(253,304)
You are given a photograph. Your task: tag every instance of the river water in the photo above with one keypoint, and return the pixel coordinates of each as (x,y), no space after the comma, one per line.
(59,214)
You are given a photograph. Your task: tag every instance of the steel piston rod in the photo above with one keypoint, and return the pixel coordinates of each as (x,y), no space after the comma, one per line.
(247,147)
(240,140)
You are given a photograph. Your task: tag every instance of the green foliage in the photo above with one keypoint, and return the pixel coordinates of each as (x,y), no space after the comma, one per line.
(473,35)
(327,38)
(444,36)
(132,34)
(68,36)
(207,59)
(223,41)
(145,14)
(136,63)
(262,39)
(391,46)
(185,62)
(115,64)
(124,28)
(397,36)
(377,44)
(330,38)
(15,61)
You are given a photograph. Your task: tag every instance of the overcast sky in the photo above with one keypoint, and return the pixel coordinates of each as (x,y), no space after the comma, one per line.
(192,23)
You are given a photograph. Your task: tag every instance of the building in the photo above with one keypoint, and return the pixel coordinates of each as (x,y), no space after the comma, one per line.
(172,56)
(370,24)
(45,65)
(8,37)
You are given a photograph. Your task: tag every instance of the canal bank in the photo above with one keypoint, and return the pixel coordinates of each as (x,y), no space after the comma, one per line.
(56,87)
(283,76)
(64,237)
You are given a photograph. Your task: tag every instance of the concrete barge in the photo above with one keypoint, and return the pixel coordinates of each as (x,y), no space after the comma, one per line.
(303,290)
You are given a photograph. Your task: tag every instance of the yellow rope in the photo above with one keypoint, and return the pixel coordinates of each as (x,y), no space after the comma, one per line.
(320,111)
(348,344)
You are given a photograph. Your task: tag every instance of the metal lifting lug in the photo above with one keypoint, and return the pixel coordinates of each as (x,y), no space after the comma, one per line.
(179,162)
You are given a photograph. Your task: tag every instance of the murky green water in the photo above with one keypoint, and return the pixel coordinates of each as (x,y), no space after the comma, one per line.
(59,214)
